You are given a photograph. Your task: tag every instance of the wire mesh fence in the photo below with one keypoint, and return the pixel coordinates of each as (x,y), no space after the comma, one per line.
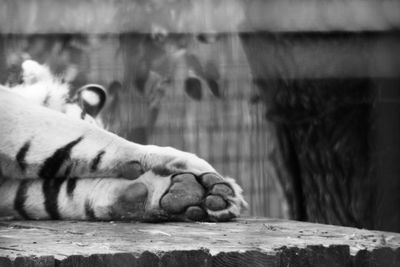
(217,122)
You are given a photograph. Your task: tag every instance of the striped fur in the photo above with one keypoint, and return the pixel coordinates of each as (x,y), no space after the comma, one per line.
(57,166)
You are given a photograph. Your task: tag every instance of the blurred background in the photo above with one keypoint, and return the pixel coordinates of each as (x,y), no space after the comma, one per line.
(297,100)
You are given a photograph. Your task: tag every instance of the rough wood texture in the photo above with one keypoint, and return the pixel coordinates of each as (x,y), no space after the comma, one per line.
(246,242)
(116,16)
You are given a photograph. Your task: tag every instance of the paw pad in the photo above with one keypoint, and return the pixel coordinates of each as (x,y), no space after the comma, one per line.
(221,189)
(131,170)
(131,202)
(184,192)
(208,180)
(195,213)
(199,198)
(215,203)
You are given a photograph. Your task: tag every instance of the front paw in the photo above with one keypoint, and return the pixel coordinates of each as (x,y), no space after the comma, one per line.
(207,197)
(176,185)
(184,197)
(177,197)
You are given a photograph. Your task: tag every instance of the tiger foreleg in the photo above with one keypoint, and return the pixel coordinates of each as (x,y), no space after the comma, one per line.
(151,197)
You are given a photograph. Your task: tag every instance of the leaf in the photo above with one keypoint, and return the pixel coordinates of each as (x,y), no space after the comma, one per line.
(193,88)
(214,88)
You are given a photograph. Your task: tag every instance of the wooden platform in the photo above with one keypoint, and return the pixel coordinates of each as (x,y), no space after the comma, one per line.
(246,242)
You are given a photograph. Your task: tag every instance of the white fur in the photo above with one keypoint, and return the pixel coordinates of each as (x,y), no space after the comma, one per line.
(23,120)
(40,86)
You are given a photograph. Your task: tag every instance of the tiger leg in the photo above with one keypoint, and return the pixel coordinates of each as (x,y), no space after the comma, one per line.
(151,197)
(78,199)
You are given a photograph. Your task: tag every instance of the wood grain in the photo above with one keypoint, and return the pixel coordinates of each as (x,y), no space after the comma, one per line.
(246,242)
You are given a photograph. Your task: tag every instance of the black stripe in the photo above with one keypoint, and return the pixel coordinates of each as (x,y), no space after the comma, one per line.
(51,189)
(52,165)
(96,160)
(89,211)
(20,198)
(20,157)
(71,184)
(68,170)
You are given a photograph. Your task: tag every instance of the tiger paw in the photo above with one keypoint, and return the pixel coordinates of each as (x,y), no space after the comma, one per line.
(207,197)
(189,197)
(178,197)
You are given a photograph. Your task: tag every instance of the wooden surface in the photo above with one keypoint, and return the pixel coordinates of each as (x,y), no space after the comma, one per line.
(246,242)
(116,16)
